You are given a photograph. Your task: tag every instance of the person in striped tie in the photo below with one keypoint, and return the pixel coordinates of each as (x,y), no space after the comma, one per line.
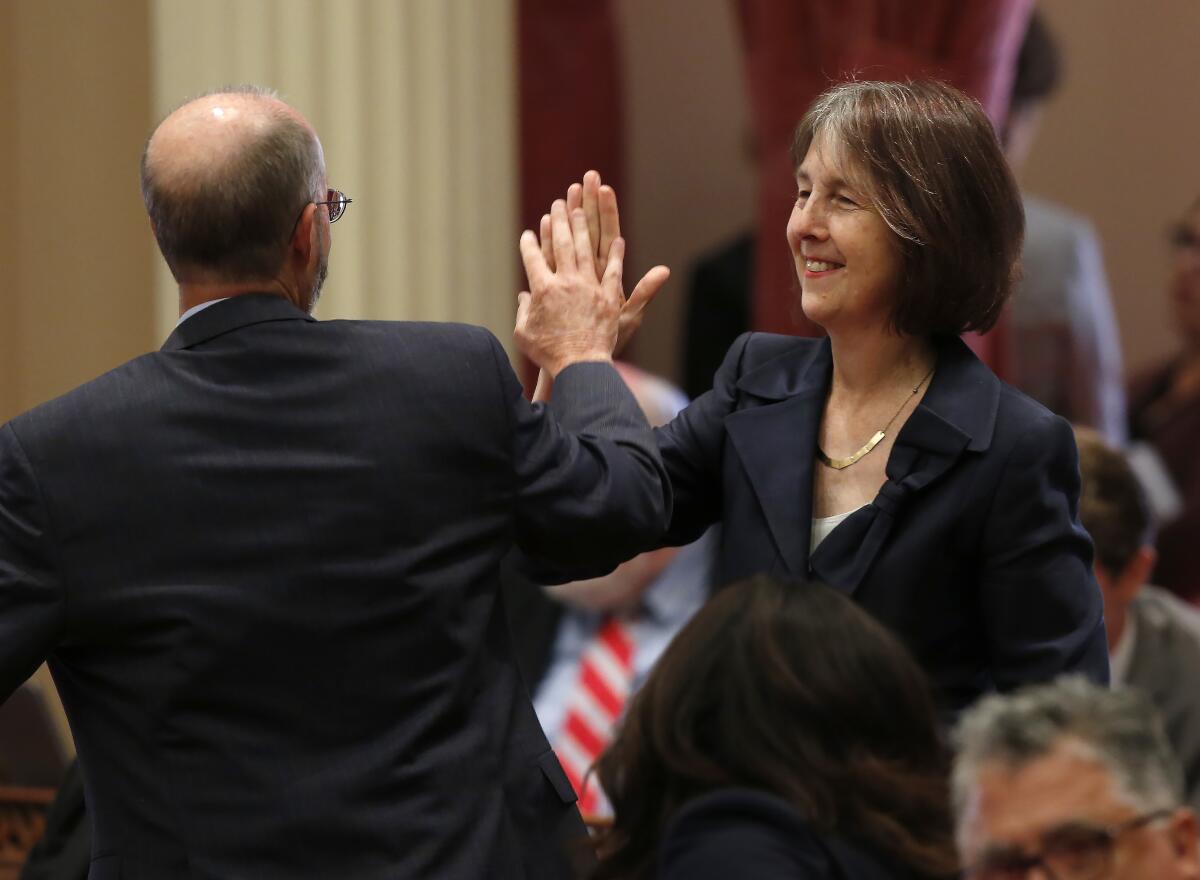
(585,647)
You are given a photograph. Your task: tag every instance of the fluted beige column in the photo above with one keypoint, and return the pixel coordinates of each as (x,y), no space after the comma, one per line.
(415,104)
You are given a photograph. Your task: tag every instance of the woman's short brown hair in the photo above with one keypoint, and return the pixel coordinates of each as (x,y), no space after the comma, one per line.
(928,159)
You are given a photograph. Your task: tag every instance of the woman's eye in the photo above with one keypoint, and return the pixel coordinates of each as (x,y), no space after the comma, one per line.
(802,195)
(846,200)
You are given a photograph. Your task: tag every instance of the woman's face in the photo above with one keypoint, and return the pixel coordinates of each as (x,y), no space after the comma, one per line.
(847,258)
(1185,276)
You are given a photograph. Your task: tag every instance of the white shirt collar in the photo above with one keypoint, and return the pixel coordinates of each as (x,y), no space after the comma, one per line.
(197,309)
(1121,657)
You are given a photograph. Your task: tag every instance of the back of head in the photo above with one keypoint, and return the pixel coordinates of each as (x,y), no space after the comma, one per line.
(1112,504)
(1119,728)
(224,178)
(794,690)
(930,163)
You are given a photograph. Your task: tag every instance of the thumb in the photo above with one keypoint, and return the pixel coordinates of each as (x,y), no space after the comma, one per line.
(522,313)
(648,288)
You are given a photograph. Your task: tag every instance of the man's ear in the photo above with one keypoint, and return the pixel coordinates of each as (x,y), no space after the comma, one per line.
(1137,572)
(1183,834)
(300,248)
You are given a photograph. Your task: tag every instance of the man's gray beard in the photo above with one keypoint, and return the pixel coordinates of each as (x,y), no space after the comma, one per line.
(318,283)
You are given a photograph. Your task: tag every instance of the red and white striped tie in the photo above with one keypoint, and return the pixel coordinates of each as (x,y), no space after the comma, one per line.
(605,676)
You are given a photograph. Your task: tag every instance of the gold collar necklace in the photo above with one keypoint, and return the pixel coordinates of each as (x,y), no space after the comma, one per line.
(840,463)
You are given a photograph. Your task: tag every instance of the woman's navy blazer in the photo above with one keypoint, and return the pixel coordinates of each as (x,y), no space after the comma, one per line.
(972,550)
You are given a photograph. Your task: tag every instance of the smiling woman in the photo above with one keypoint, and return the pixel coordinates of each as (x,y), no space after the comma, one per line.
(886,460)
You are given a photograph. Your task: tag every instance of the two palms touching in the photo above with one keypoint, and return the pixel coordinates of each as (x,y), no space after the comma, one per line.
(598,204)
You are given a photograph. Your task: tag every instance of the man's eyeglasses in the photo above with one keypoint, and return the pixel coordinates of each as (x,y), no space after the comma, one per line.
(335,200)
(1073,852)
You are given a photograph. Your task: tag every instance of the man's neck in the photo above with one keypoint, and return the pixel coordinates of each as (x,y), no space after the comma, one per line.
(195,294)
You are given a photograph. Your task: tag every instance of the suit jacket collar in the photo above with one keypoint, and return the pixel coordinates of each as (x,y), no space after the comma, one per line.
(777,442)
(232,314)
(964,394)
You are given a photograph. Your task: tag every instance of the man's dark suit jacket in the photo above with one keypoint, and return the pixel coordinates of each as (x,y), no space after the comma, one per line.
(263,564)
(740,832)
(972,550)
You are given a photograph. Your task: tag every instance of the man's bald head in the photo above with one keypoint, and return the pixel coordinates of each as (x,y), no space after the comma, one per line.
(224,178)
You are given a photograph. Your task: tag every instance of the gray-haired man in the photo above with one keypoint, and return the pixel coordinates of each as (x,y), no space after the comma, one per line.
(1069,781)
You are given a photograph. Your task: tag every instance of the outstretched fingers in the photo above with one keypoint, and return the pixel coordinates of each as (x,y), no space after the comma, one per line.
(585,260)
(591,208)
(561,237)
(609,221)
(536,269)
(547,244)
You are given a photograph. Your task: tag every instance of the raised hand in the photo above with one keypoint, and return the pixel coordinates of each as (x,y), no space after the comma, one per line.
(571,312)
(599,205)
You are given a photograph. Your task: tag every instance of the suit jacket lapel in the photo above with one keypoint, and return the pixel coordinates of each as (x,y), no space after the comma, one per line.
(232,314)
(957,414)
(777,441)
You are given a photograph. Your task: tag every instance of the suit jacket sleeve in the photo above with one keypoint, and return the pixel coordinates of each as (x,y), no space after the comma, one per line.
(692,445)
(32,606)
(591,490)
(1040,602)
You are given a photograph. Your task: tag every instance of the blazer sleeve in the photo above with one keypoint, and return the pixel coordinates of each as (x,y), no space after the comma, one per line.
(1040,602)
(590,489)
(32,604)
(692,447)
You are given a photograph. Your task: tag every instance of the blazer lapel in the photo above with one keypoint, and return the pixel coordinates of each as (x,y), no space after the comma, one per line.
(957,414)
(232,314)
(776,443)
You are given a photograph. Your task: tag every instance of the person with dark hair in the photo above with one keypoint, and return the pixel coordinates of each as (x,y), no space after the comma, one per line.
(784,733)
(263,563)
(1065,351)
(885,459)
(1164,414)
(1153,637)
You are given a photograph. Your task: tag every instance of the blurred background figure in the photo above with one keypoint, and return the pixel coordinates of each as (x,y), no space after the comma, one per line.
(1064,350)
(1164,414)
(586,647)
(784,733)
(1153,637)
(716,309)
(1073,781)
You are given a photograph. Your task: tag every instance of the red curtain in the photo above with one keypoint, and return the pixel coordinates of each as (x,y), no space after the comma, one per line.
(569,102)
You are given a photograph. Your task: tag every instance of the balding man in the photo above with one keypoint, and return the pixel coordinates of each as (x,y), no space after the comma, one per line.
(263,562)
